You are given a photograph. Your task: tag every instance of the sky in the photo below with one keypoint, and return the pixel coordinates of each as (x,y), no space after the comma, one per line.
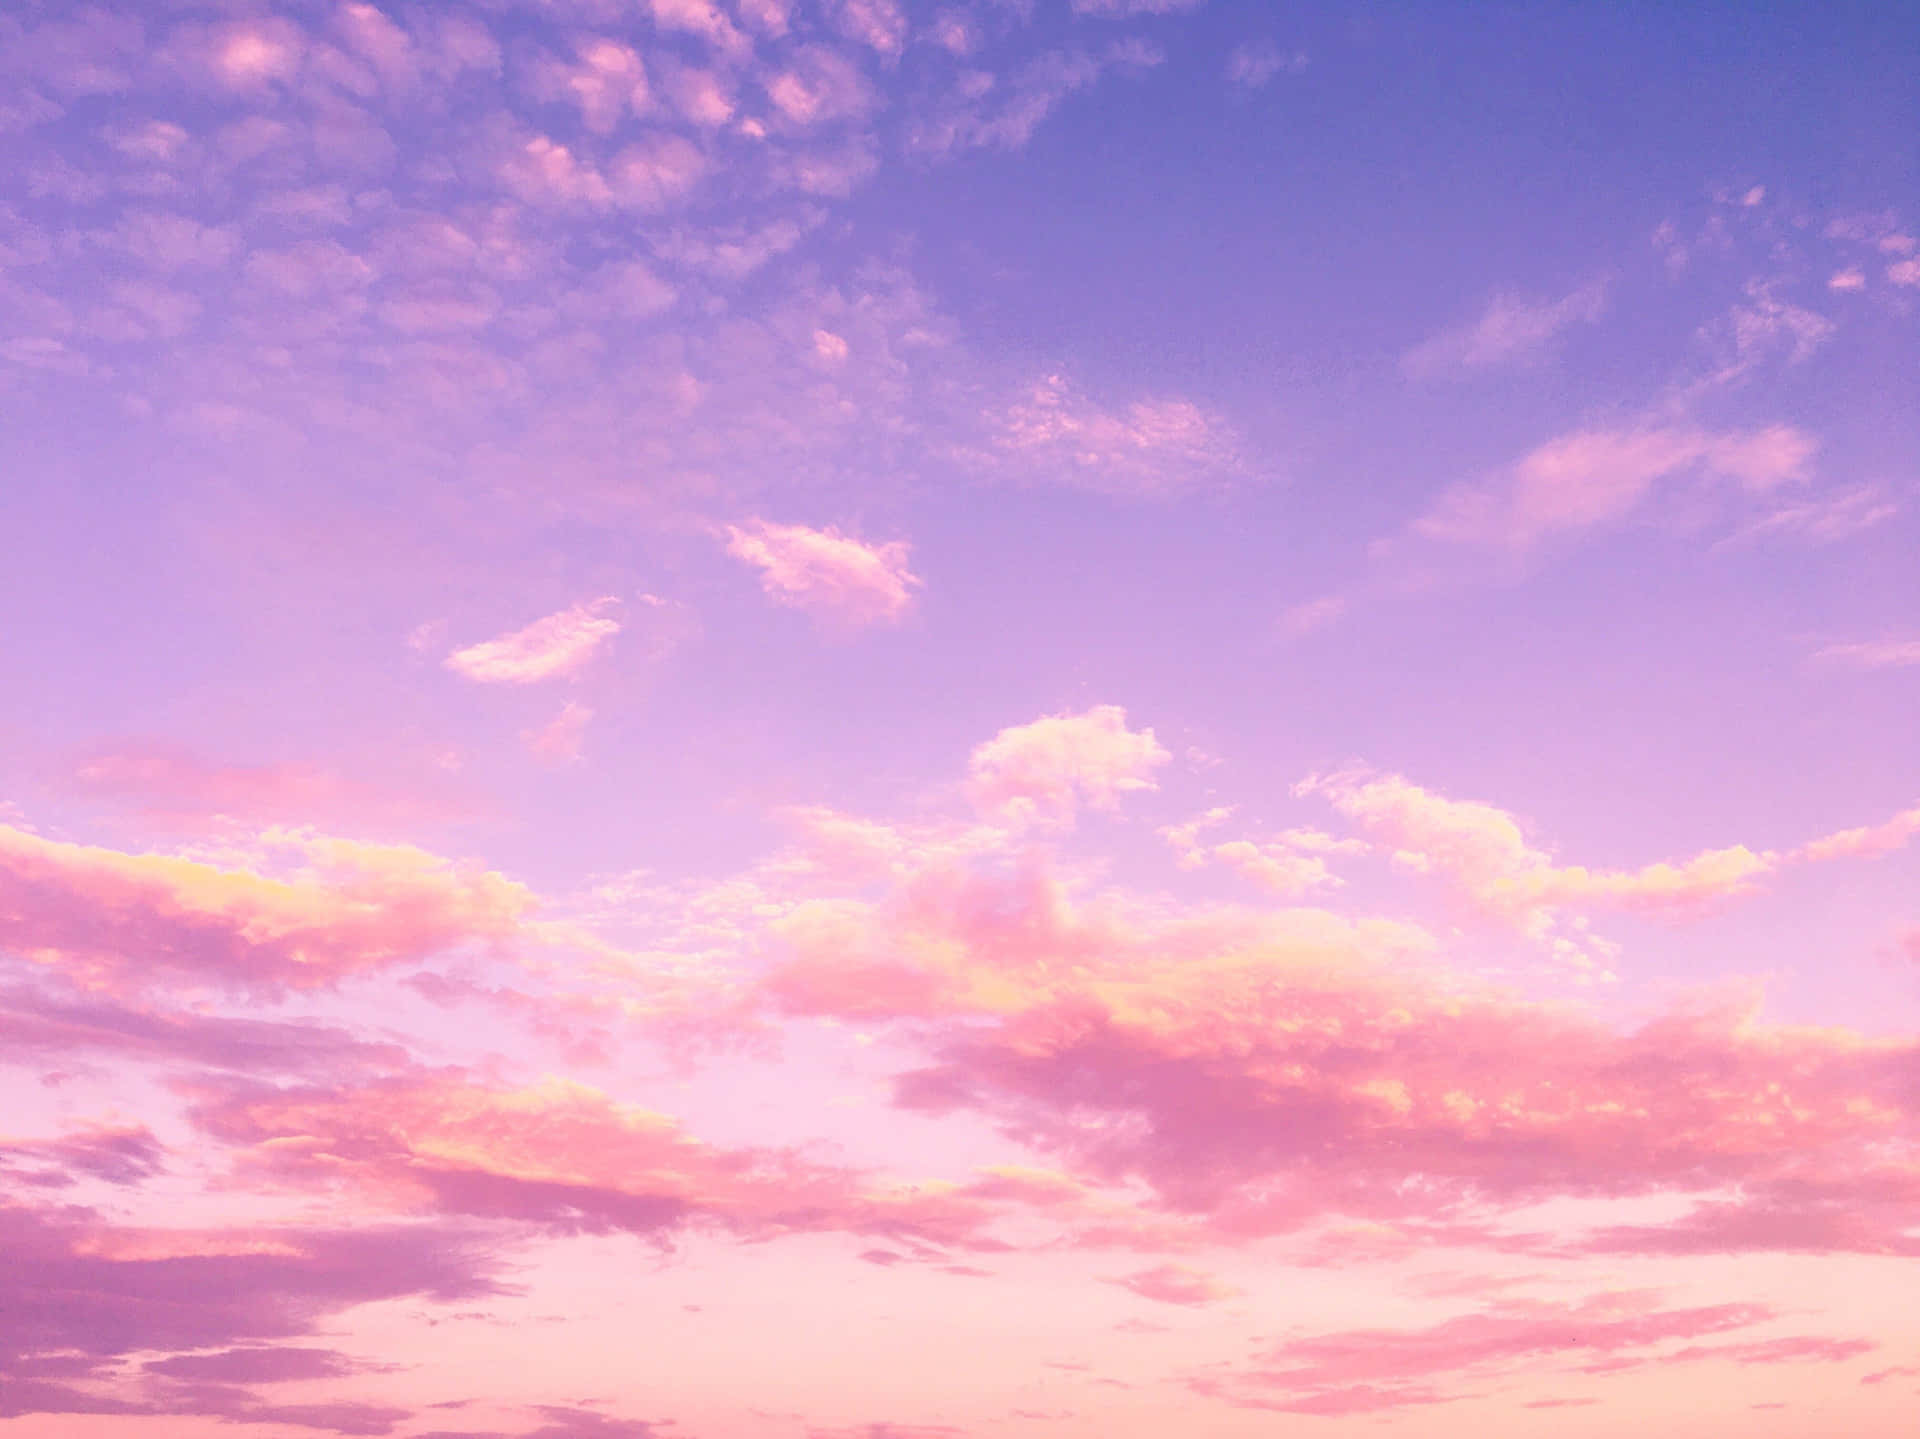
(1021,719)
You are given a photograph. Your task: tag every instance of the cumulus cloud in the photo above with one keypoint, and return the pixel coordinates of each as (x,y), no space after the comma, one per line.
(1512,328)
(1049,766)
(548,648)
(334,908)
(1482,850)
(831,575)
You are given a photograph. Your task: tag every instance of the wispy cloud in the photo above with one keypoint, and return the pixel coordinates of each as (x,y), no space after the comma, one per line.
(1597,477)
(1512,328)
(1155,448)
(1873,654)
(1257,62)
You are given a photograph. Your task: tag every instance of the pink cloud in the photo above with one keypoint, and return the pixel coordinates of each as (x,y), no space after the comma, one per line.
(1482,851)
(1045,768)
(560,1156)
(77,1295)
(1153,449)
(1178,1284)
(1596,477)
(557,645)
(172,785)
(563,736)
(832,575)
(1267,1073)
(1511,329)
(1367,1370)
(341,907)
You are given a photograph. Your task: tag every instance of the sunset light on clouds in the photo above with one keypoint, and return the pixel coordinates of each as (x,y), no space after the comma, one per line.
(839,719)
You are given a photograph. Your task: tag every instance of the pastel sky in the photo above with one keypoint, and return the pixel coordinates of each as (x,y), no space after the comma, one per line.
(836,719)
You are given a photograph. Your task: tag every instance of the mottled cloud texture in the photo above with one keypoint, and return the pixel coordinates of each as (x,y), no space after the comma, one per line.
(838,719)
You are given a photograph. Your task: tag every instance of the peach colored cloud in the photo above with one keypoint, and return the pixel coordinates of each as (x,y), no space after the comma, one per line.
(336,908)
(829,574)
(557,645)
(1047,767)
(1483,850)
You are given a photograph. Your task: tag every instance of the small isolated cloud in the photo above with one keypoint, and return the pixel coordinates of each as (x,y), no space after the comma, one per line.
(1512,328)
(561,738)
(1252,65)
(546,649)
(1154,448)
(831,575)
(1311,615)
(1049,766)
(1594,477)
(1178,1284)
(1874,654)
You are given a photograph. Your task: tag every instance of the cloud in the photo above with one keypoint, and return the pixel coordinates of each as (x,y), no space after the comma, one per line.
(1511,329)
(123,1154)
(1482,852)
(1597,477)
(1822,519)
(1047,767)
(834,576)
(1372,1370)
(77,1294)
(561,738)
(1269,1073)
(546,649)
(559,1156)
(1154,449)
(1874,654)
(341,908)
(984,111)
(1178,1284)
(172,785)
(1255,63)
(45,1028)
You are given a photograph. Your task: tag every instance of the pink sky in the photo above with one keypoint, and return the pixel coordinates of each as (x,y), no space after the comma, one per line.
(729,719)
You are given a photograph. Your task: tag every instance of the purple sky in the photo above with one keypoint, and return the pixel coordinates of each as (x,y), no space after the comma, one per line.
(739,719)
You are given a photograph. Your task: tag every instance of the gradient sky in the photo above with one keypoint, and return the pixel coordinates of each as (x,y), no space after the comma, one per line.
(822,719)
